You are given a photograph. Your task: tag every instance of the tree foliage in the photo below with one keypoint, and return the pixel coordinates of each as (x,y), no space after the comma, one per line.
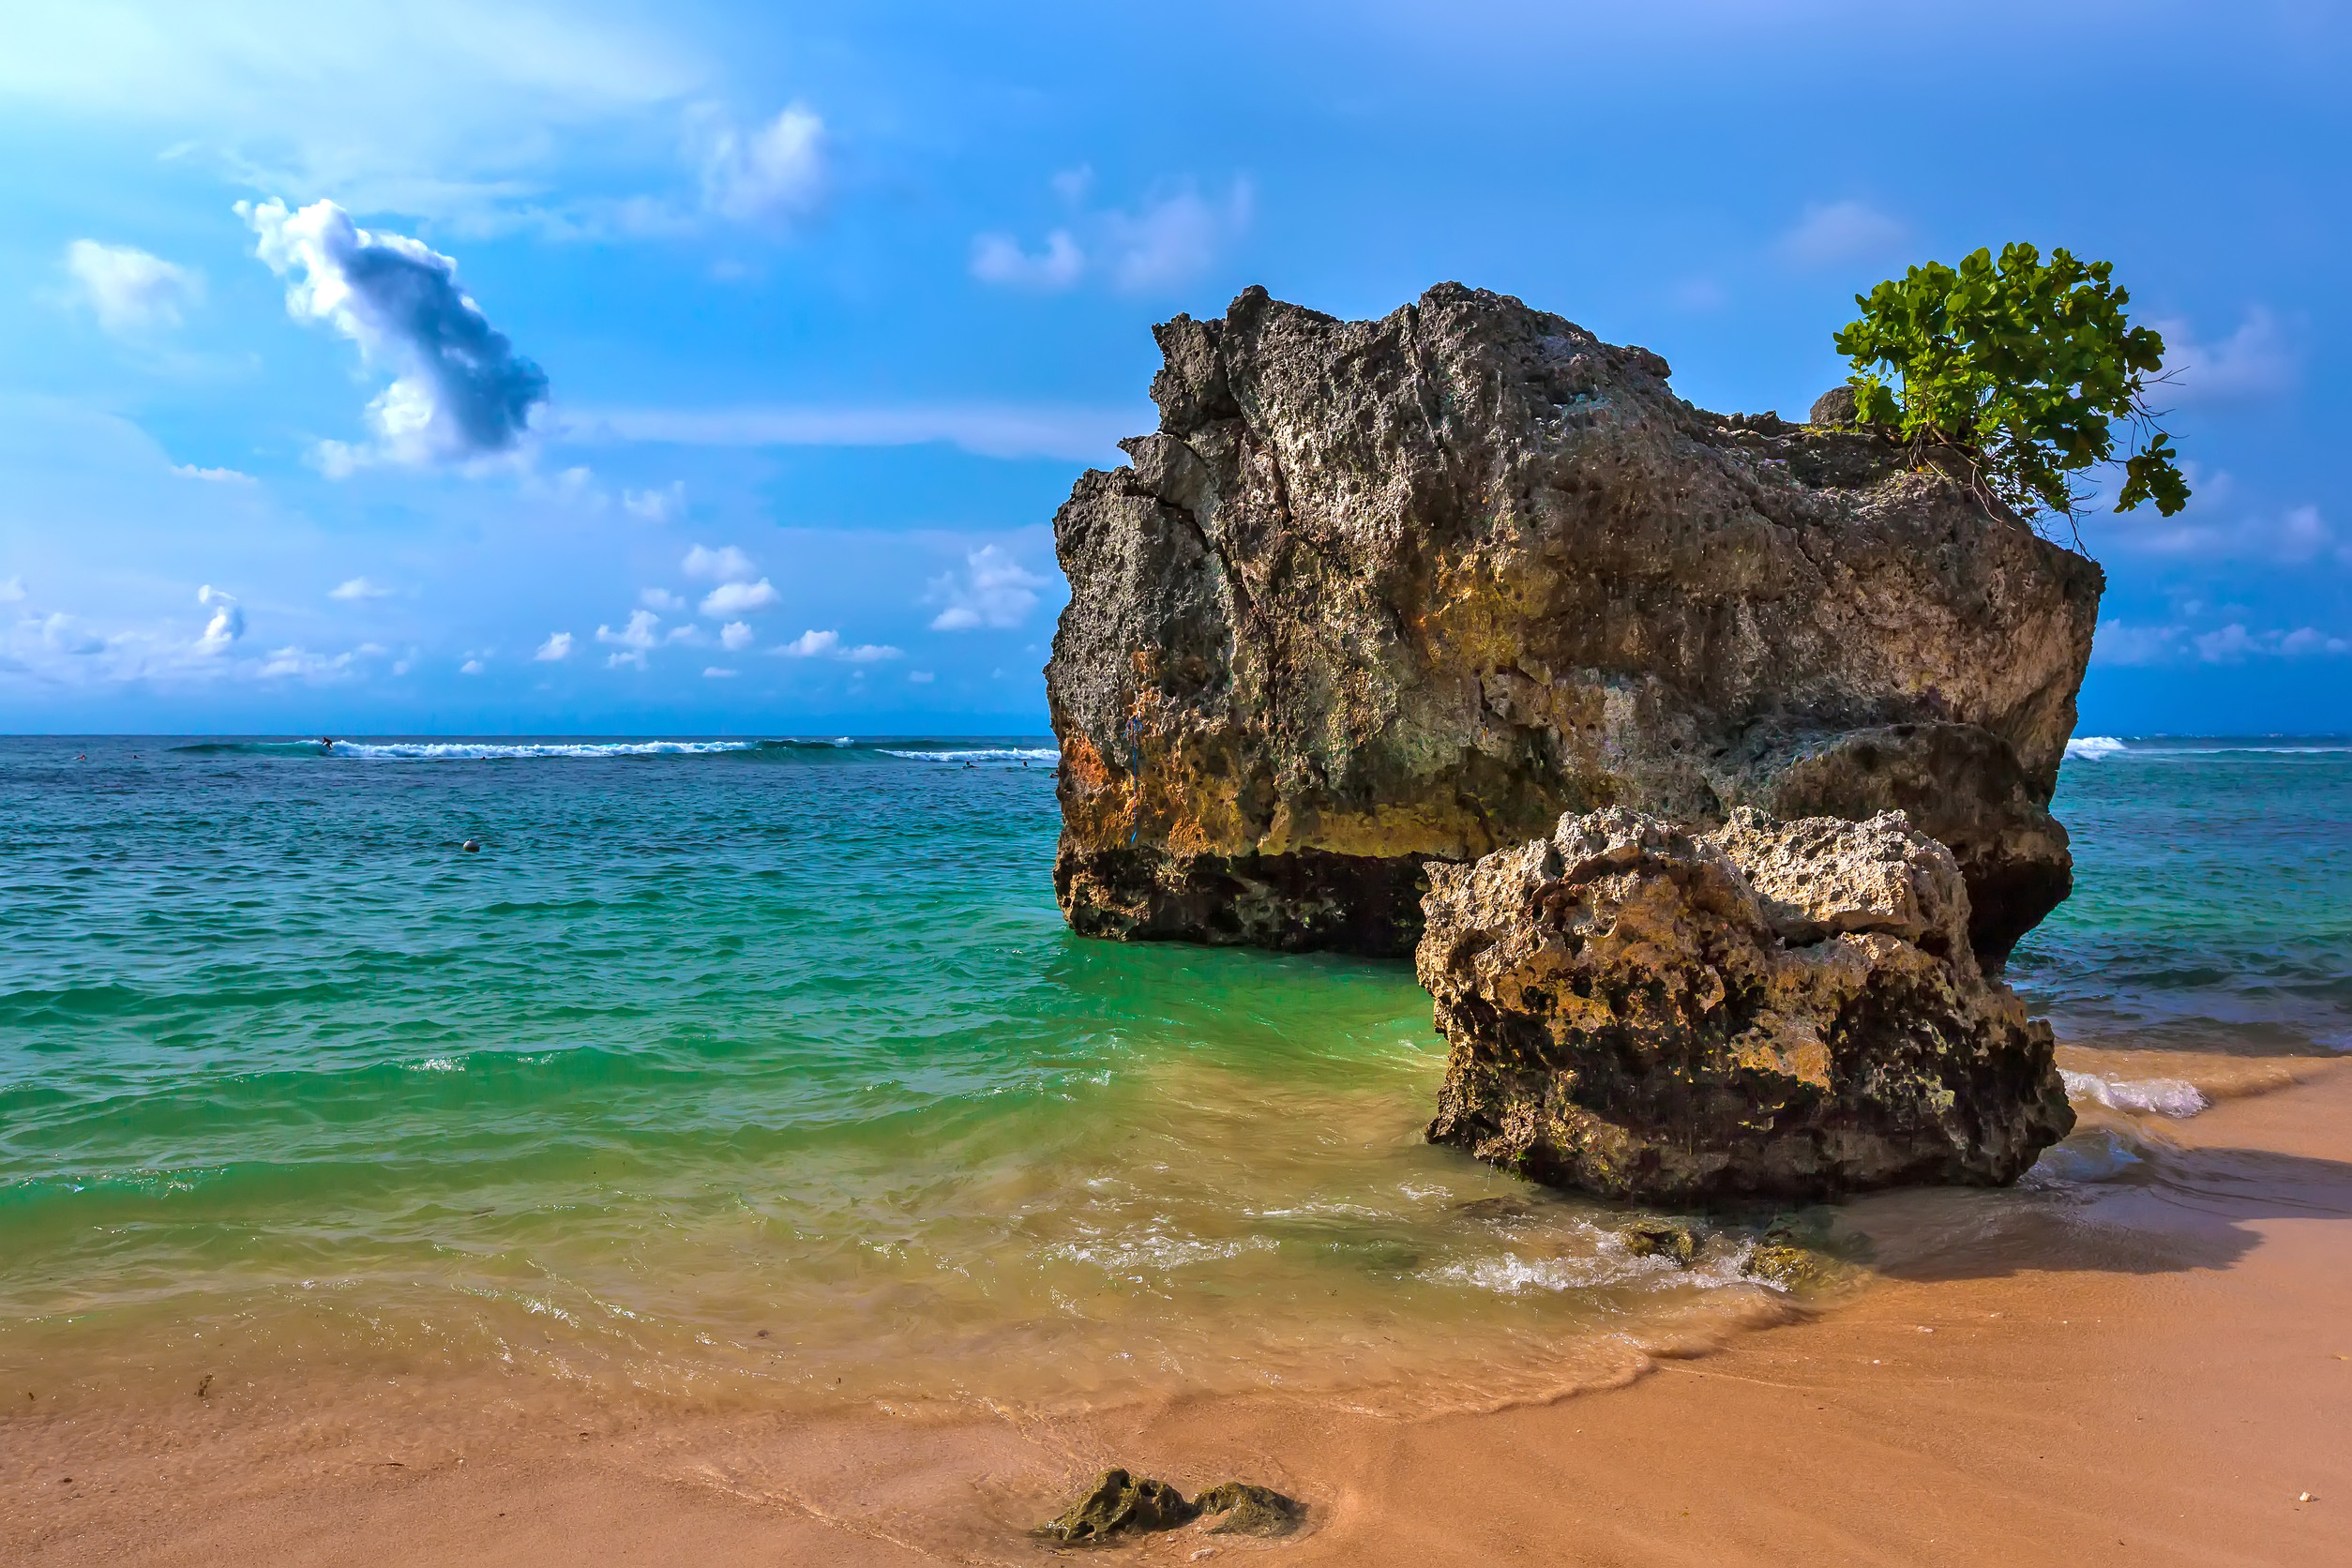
(2025,369)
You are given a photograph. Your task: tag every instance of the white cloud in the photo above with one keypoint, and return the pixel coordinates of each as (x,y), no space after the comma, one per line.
(452,109)
(724,564)
(738,598)
(2254,361)
(1007,430)
(129,290)
(301,662)
(661,600)
(459,392)
(2118,643)
(213,476)
(557,646)
(359,588)
(735,636)
(472,666)
(690,634)
(1838,231)
(1166,243)
(1172,240)
(713,672)
(227,624)
(2298,536)
(827,644)
(776,172)
(999,259)
(996,591)
(638,635)
(62,636)
(2234,644)
(12,591)
(655,505)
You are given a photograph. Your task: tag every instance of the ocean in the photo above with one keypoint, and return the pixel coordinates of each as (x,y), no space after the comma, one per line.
(765,1073)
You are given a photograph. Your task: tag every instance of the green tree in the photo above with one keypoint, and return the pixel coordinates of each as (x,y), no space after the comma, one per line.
(2021,368)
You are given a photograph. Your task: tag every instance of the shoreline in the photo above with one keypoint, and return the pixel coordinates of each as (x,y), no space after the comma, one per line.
(2161,1382)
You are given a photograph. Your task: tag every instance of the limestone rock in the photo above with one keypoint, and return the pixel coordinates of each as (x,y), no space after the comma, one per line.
(1786,1009)
(1381,593)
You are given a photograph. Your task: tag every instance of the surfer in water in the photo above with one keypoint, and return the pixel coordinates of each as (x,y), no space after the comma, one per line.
(326,742)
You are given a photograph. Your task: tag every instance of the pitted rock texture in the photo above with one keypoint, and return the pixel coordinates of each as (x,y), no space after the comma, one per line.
(1379,592)
(1783,1009)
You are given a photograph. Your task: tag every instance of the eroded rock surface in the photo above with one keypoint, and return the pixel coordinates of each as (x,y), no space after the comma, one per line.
(1786,1009)
(1380,592)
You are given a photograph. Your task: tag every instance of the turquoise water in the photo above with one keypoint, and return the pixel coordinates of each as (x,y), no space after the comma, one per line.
(768,1071)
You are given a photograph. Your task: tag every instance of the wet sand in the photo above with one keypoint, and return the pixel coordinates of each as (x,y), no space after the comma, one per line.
(2151,1370)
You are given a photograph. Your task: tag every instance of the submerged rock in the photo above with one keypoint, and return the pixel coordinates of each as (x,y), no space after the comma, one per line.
(1774,1008)
(1661,1238)
(1377,593)
(1249,1510)
(1120,1504)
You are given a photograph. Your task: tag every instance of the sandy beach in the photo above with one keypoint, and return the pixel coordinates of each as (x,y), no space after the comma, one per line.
(2158,1374)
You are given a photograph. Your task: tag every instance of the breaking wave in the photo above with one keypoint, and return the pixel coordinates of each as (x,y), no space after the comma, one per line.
(2174,1097)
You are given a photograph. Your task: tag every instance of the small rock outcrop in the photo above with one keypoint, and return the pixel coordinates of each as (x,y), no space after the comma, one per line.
(1120,1504)
(1383,592)
(1782,1009)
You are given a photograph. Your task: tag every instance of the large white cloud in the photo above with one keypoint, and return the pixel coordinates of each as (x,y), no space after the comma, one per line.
(458,392)
(129,290)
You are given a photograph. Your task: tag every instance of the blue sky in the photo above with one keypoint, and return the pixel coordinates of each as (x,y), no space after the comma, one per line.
(717,368)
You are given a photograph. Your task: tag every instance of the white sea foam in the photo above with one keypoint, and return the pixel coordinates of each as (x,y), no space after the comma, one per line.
(981,754)
(2165,1096)
(435,751)
(2091,749)
(1614,1264)
(1156,1251)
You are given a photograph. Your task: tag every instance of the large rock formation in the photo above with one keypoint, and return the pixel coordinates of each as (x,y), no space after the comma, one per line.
(1377,592)
(1773,1009)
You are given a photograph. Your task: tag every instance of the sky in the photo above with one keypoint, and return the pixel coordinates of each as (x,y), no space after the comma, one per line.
(700,368)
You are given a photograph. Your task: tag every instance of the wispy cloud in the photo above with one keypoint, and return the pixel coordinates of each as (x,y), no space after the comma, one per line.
(828,644)
(2253,362)
(460,391)
(990,430)
(359,588)
(774,173)
(994,590)
(727,564)
(1833,232)
(556,648)
(1162,243)
(130,291)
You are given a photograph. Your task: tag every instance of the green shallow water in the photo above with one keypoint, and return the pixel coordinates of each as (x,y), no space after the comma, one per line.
(770,1071)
